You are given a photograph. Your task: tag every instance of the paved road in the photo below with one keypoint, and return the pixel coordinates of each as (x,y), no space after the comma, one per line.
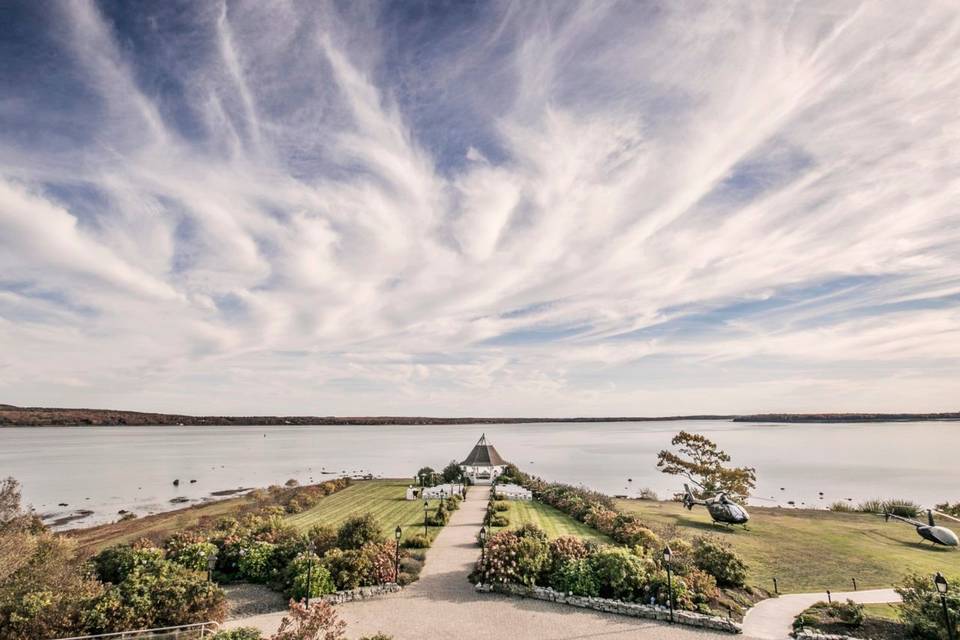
(772,619)
(442,604)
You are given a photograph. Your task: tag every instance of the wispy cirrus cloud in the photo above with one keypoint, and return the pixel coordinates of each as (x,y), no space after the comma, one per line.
(539,208)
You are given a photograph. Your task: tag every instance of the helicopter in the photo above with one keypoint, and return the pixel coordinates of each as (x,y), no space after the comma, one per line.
(722,509)
(930,531)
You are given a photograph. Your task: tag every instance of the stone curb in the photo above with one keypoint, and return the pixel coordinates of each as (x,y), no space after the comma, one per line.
(360,593)
(689,618)
(814,635)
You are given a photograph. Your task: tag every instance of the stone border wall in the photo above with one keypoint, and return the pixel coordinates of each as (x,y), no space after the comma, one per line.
(816,635)
(714,623)
(360,593)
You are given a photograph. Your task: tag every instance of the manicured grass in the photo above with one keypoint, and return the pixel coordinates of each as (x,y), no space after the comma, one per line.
(555,523)
(811,550)
(889,611)
(385,499)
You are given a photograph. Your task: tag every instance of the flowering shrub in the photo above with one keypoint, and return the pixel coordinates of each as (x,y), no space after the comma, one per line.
(381,559)
(515,556)
(634,534)
(567,548)
(193,556)
(319,621)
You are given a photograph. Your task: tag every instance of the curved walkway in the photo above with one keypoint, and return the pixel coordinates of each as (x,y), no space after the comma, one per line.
(442,604)
(773,619)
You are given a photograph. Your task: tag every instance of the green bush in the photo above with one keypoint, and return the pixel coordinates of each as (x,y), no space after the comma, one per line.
(193,556)
(500,506)
(950,509)
(156,594)
(681,561)
(323,538)
(618,573)
(358,531)
(439,518)
(575,576)
(636,534)
(842,506)
(240,633)
(349,568)
(499,521)
(256,562)
(115,563)
(902,508)
(418,541)
(451,472)
(300,573)
(658,587)
(848,612)
(720,561)
(921,610)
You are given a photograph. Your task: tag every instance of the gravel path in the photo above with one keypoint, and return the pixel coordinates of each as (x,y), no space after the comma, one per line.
(772,619)
(442,604)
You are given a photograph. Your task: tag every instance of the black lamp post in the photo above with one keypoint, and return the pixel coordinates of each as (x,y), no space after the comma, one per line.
(397,533)
(211,563)
(483,545)
(941,583)
(667,555)
(425,507)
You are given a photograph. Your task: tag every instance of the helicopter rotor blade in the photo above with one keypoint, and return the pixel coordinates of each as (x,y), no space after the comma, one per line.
(946,515)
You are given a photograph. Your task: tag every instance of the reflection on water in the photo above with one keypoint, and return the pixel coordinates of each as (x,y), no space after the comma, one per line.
(106,469)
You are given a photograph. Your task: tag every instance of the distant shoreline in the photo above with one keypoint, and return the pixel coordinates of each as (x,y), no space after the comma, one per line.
(12,416)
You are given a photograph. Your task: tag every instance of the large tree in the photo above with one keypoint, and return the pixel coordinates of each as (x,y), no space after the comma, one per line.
(698,459)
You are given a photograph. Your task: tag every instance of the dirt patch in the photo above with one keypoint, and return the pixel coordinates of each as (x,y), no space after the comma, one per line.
(252,599)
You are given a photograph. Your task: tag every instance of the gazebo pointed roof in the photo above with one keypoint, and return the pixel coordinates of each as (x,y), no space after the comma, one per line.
(483,455)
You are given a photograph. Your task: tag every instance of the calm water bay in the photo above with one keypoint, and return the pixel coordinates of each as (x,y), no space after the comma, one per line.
(105,469)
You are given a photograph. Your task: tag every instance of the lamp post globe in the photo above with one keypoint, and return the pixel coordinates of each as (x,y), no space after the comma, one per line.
(941,584)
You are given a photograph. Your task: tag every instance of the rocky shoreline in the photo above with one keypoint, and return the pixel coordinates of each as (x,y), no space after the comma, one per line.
(13,416)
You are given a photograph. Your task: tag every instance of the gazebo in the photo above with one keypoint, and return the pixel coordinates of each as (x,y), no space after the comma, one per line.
(483,464)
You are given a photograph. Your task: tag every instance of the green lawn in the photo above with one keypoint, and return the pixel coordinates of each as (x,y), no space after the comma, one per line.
(554,522)
(385,499)
(809,550)
(888,611)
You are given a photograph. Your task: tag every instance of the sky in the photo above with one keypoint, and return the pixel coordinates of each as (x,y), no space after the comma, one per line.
(480,208)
